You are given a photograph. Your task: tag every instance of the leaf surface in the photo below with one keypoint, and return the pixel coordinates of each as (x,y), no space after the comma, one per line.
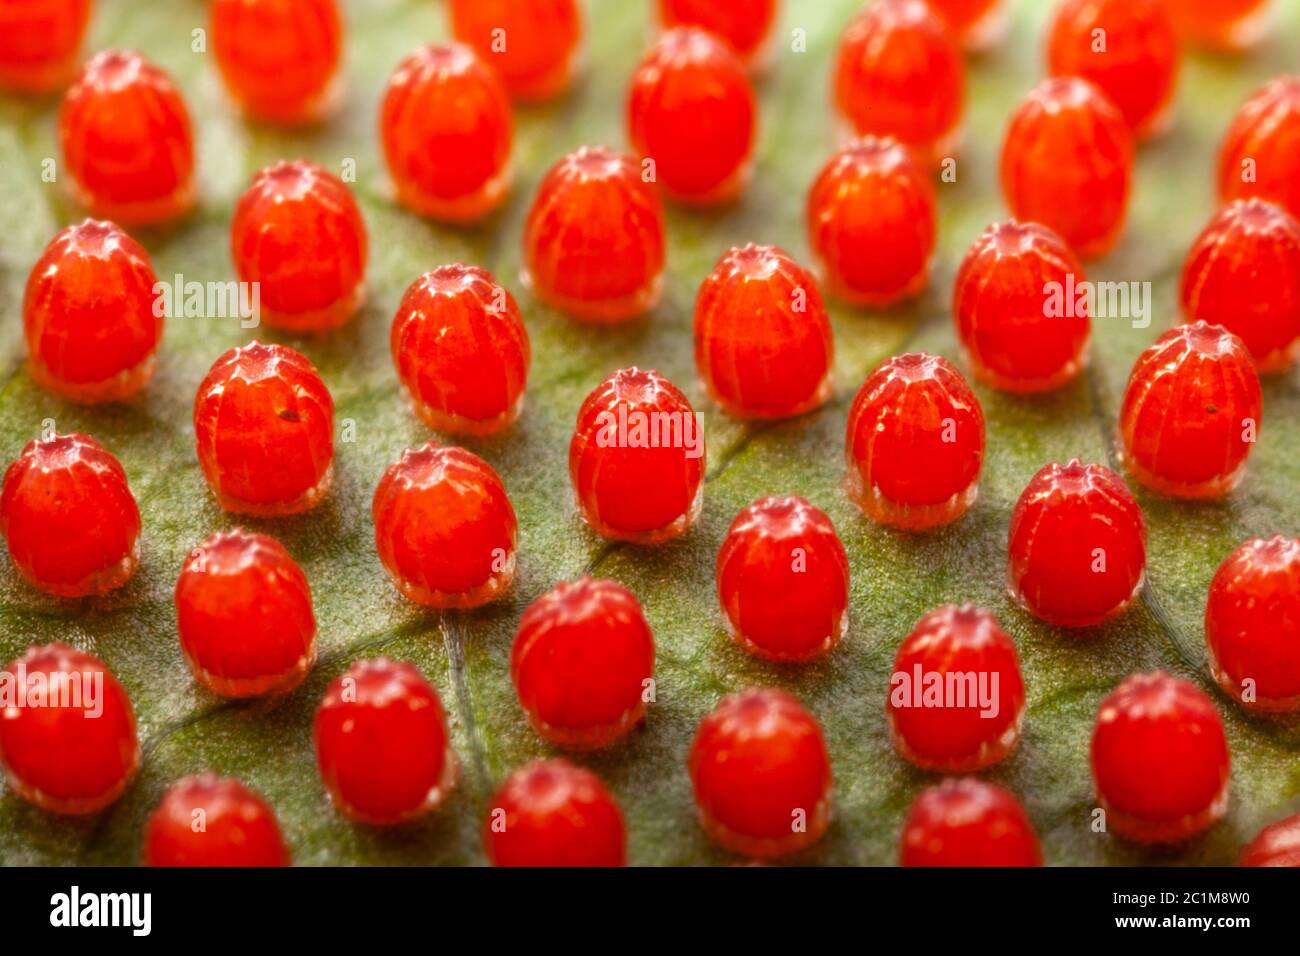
(896,577)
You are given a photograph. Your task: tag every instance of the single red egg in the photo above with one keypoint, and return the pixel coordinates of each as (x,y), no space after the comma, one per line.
(1023,325)
(70,520)
(264,428)
(594,237)
(978,24)
(691,111)
(1278,844)
(533,44)
(208,820)
(461,350)
(40,41)
(763,342)
(1260,155)
(244,615)
(899,73)
(551,813)
(1128,48)
(761,774)
(1243,273)
(871,223)
(1252,624)
(1191,412)
(956,698)
(446,127)
(127,141)
(1076,546)
(382,745)
(91,314)
(1227,25)
(582,661)
(444,527)
(745,24)
(967,822)
(1067,162)
(915,443)
(299,235)
(280,58)
(67,739)
(1160,761)
(783,580)
(637,458)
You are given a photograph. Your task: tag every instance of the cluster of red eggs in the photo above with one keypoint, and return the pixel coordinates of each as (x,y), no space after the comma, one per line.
(594,243)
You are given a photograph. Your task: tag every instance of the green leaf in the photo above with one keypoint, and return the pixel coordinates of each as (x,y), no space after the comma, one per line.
(896,577)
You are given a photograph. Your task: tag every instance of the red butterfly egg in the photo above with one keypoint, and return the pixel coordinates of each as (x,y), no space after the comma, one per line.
(1191,412)
(898,73)
(1260,155)
(244,615)
(1243,273)
(915,443)
(444,527)
(968,822)
(40,41)
(1252,624)
(956,697)
(264,429)
(637,458)
(127,141)
(1128,48)
(461,350)
(534,45)
(763,342)
(690,109)
(298,234)
(1067,162)
(446,128)
(1016,334)
(582,661)
(745,24)
(594,237)
(91,314)
(551,813)
(1278,844)
(783,580)
(871,223)
(1077,545)
(762,775)
(68,742)
(71,522)
(279,58)
(213,821)
(1160,761)
(382,746)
